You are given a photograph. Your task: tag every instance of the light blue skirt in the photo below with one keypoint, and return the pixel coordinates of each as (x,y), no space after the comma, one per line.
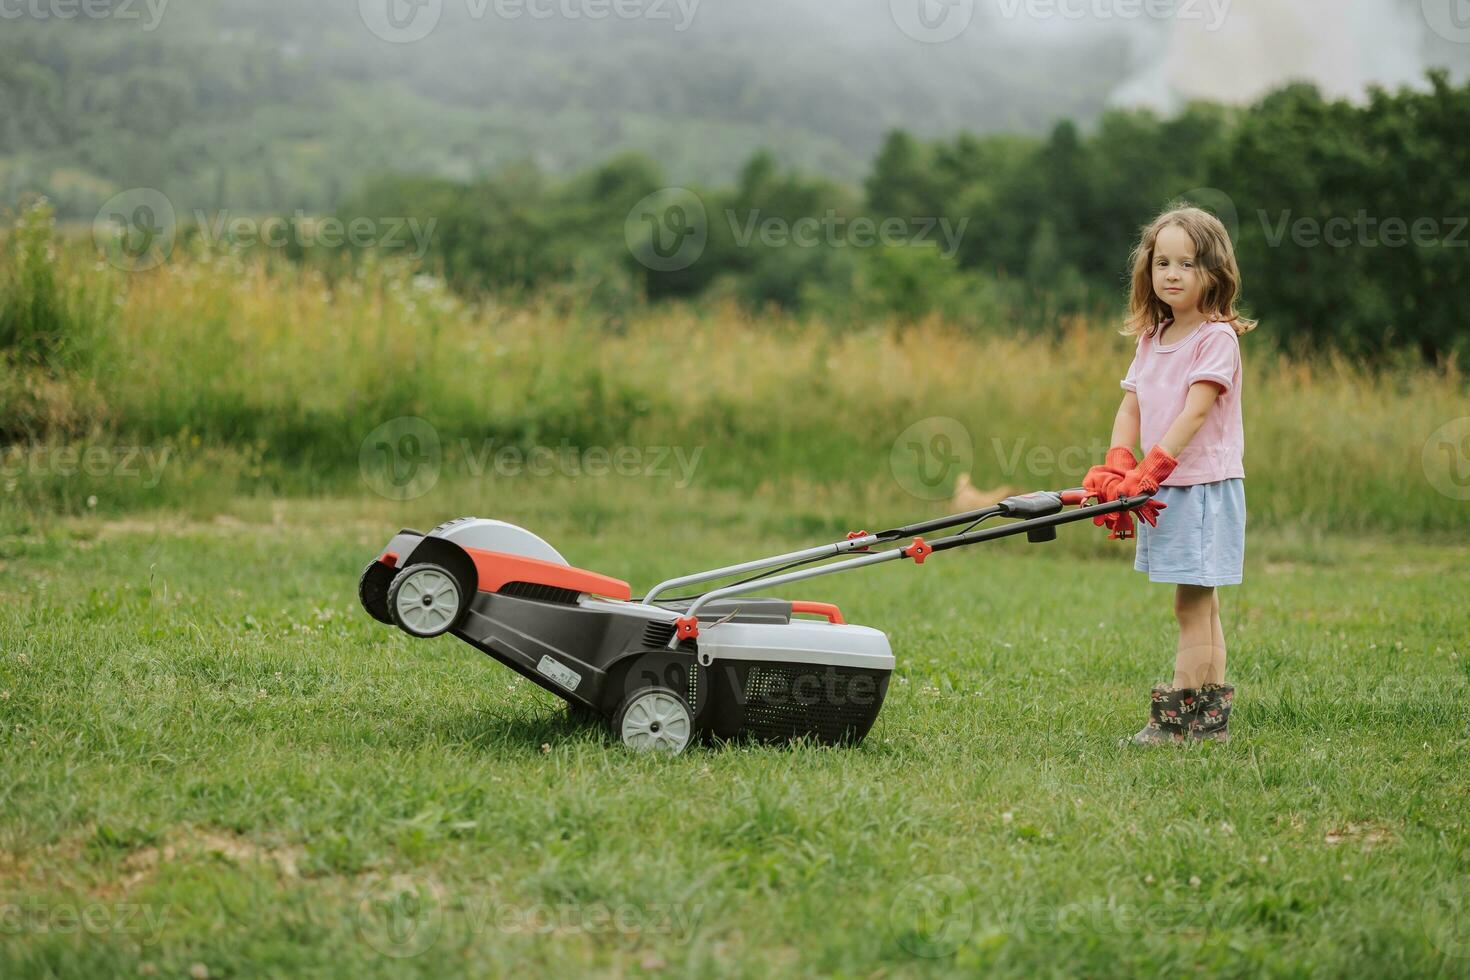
(1200,539)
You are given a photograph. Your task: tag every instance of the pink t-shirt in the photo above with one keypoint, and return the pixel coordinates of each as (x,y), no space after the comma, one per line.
(1161,376)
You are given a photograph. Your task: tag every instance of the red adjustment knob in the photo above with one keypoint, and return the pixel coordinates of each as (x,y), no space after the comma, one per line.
(686,627)
(851,535)
(918,551)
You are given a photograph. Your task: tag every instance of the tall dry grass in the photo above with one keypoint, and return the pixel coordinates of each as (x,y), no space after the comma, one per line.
(293,367)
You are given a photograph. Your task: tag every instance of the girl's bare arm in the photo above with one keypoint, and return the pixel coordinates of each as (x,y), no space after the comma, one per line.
(1197,403)
(1125,424)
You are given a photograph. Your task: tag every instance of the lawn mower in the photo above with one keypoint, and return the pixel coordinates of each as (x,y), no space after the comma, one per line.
(667,669)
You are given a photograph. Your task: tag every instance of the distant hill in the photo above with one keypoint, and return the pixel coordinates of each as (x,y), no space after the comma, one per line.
(281,104)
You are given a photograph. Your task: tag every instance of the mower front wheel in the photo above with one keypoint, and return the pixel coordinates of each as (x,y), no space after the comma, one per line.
(425,600)
(655,719)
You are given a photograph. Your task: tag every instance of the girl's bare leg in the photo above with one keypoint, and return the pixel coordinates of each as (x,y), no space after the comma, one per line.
(1217,658)
(1197,610)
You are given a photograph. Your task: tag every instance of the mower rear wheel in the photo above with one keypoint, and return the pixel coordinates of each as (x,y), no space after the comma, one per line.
(425,600)
(372,590)
(655,719)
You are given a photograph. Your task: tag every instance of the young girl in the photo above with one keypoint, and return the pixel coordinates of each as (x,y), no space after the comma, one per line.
(1182,396)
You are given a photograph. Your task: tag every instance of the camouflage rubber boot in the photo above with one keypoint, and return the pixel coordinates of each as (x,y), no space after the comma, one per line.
(1171,709)
(1211,723)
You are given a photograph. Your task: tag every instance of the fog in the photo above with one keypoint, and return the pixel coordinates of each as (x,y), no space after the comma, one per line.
(290,102)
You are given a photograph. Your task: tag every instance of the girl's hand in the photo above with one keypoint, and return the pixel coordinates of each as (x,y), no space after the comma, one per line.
(1146,476)
(1102,481)
(1119,524)
(1149,511)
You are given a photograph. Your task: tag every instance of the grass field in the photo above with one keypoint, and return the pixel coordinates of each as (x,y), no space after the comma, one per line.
(216,764)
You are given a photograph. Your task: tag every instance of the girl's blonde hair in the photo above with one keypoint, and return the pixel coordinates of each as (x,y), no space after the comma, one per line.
(1214,256)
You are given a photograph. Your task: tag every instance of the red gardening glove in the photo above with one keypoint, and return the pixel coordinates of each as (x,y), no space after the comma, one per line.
(1149,511)
(1146,476)
(1121,522)
(1102,482)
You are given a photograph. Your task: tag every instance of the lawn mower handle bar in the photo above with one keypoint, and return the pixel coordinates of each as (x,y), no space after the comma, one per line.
(862,540)
(1047,505)
(856,541)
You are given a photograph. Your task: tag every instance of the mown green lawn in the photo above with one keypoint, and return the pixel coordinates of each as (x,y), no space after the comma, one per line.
(215,763)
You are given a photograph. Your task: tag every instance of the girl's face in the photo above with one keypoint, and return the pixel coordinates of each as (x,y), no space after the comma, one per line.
(1177,279)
